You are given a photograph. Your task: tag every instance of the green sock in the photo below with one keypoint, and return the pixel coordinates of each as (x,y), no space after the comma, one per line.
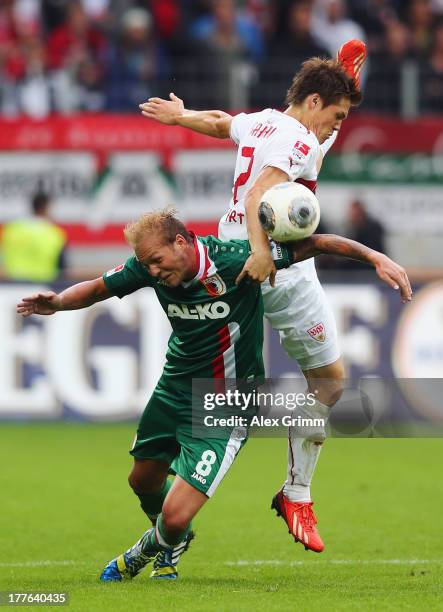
(148,543)
(168,540)
(157,539)
(151,503)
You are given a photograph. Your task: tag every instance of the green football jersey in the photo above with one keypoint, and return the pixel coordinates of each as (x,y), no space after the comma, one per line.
(217,326)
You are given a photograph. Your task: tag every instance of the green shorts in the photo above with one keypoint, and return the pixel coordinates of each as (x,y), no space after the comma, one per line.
(165,433)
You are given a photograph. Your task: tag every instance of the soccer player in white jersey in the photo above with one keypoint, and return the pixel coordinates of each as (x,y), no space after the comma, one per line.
(274,147)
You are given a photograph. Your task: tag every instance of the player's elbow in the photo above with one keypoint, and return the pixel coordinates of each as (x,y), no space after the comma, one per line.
(304,249)
(222,126)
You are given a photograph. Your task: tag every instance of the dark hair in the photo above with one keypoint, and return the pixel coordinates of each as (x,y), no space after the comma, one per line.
(326,77)
(40,202)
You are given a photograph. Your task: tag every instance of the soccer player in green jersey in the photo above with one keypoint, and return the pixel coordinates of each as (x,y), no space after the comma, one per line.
(217,333)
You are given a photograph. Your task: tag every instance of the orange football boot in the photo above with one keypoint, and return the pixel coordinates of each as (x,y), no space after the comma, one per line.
(300,519)
(352,55)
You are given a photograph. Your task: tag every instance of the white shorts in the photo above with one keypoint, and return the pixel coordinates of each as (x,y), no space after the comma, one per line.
(298,309)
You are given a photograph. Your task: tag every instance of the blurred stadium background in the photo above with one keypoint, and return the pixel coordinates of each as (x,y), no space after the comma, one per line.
(73,74)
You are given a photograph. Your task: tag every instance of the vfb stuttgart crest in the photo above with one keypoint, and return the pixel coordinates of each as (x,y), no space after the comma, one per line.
(214,285)
(317,332)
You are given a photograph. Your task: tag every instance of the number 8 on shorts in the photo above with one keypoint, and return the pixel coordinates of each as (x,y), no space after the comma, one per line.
(204,466)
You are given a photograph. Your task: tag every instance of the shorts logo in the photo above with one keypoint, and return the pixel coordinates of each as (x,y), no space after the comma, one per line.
(198,477)
(317,332)
(214,285)
(114,270)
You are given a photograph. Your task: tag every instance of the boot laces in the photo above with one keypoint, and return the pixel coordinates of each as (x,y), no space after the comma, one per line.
(308,516)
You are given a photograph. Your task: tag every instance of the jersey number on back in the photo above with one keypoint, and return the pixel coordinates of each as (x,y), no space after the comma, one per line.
(242,178)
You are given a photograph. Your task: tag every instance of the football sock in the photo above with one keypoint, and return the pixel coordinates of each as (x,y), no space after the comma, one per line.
(302,459)
(309,422)
(149,544)
(152,503)
(166,539)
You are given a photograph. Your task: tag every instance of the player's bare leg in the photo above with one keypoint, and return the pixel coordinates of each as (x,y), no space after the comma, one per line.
(149,481)
(293,502)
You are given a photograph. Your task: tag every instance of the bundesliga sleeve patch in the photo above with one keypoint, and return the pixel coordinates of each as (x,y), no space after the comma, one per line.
(114,270)
(281,254)
(301,149)
(276,250)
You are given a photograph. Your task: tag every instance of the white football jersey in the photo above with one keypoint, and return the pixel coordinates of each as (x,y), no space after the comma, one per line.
(267,138)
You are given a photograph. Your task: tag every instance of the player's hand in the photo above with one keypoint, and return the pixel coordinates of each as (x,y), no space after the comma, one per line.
(258,267)
(45,303)
(163,111)
(394,275)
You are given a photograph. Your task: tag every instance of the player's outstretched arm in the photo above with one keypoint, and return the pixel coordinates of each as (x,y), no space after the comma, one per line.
(331,244)
(214,123)
(78,296)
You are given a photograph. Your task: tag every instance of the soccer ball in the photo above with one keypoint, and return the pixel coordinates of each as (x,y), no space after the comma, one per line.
(289,211)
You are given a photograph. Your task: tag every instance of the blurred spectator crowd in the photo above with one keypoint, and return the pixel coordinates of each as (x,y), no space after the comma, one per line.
(66,56)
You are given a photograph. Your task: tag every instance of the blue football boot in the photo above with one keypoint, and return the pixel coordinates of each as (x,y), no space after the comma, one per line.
(166,561)
(130,563)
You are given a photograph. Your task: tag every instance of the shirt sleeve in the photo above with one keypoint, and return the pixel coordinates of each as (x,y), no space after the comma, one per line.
(239,125)
(236,252)
(294,158)
(281,254)
(232,256)
(127,278)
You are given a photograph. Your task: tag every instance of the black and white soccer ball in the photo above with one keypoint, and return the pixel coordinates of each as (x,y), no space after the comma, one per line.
(289,211)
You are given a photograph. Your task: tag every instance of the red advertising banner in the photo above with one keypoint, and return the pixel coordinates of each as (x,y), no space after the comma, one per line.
(106,133)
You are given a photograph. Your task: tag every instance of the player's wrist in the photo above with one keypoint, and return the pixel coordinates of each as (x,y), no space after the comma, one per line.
(181,117)
(261,252)
(374,257)
(58,303)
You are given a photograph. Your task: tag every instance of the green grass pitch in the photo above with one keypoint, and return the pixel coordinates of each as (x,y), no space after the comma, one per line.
(66,509)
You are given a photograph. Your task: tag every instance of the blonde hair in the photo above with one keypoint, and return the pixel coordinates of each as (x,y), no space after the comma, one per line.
(161,223)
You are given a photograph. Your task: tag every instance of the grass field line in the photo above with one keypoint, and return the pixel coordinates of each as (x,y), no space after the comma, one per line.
(38,563)
(248,563)
(244,563)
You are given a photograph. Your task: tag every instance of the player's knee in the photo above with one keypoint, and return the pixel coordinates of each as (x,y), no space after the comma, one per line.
(329,389)
(143,482)
(175,520)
